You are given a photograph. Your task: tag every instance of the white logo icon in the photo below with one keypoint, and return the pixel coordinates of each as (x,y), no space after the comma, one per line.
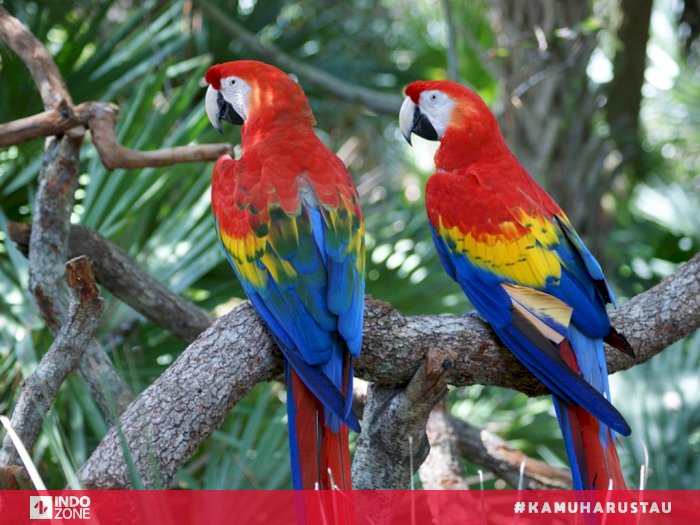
(40,507)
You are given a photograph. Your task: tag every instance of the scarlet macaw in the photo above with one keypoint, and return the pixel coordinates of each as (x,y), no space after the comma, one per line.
(289,220)
(513,251)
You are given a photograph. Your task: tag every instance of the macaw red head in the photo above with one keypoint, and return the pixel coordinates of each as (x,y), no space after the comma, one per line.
(246,90)
(436,107)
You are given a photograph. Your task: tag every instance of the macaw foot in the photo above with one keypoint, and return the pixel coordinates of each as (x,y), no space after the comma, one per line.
(475,315)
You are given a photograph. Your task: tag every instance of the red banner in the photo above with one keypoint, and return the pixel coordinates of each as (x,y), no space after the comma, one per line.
(356,507)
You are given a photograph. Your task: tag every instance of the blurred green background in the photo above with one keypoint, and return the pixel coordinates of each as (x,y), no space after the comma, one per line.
(556,73)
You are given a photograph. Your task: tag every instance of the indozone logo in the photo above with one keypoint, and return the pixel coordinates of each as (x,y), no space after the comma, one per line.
(59,507)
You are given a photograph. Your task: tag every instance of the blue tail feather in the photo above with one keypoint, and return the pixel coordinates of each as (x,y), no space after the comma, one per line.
(291,430)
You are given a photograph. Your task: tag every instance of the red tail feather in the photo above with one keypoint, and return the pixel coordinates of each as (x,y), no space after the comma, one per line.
(598,461)
(324,456)
(600,464)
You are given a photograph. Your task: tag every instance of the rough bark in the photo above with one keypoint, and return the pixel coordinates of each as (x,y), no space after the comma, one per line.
(393,443)
(40,388)
(178,411)
(58,181)
(442,469)
(167,422)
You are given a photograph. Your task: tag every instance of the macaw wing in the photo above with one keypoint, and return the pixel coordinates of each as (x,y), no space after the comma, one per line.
(520,282)
(339,235)
(529,246)
(308,293)
(531,323)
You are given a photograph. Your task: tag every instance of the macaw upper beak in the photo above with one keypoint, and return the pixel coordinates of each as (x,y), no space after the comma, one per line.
(219,109)
(413,120)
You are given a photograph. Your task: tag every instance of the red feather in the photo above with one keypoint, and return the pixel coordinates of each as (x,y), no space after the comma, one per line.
(320,450)
(601,464)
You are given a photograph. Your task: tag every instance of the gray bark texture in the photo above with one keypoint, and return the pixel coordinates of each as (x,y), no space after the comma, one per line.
(393,443)
(442,469)
(40,388)
(167,422)
(490,451)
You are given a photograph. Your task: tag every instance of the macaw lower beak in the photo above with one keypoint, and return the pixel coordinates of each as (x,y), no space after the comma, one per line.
(219,109)
(413,120)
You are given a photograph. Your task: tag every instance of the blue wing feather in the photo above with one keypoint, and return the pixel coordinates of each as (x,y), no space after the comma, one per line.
(317,315)
(484,290)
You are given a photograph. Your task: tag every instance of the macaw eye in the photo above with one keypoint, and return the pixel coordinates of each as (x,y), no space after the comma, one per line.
(232,82)
(433,97)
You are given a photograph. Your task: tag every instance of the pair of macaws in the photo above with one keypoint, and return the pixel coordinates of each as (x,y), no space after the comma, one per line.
(289,220)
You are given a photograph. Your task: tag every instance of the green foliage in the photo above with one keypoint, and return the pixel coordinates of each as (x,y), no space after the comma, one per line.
(661,401)
(149,58)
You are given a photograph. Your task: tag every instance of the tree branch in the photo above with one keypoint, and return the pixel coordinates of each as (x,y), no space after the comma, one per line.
(371,99)
(37,58)
(393,444)
(122,276)
(451,438)
(40,388)
(490,451)
(181,408)
(176,413)
(58,181)
(51,122)
(61,116)
(442,469)
(101,118)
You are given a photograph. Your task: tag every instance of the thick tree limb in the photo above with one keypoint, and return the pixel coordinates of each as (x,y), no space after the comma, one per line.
(47,254)
(53,206)
(40,388)
(58,181)
(371,99)
(120,274)
(182,407)
(393,437)
(167,422)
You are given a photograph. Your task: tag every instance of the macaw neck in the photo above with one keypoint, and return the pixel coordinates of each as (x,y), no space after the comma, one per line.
(463,146)
(277,126)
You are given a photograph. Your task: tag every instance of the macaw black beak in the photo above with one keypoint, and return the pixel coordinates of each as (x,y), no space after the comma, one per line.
(218,109)
(226,111)
(413,120)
